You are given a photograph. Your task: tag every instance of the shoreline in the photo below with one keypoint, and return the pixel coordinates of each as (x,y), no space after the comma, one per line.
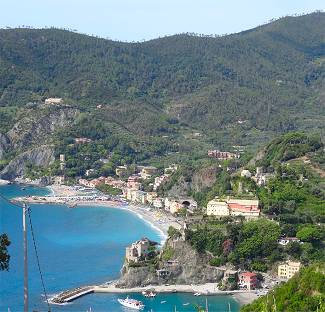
(208,289)
(149,216)
(66,195)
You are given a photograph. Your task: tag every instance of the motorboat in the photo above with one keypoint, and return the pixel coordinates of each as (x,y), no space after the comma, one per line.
(131,303)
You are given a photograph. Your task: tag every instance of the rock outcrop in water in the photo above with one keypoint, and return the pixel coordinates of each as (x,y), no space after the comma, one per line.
(185,266)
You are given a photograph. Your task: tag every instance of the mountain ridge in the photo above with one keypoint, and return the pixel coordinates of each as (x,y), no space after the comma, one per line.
(239,89)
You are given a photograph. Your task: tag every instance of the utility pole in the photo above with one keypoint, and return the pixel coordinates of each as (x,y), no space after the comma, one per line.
(25,259)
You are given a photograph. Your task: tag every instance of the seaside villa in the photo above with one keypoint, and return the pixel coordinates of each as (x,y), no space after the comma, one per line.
(233,207)
(247,280)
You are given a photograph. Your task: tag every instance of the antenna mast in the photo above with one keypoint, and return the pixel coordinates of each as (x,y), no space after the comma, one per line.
(25,259)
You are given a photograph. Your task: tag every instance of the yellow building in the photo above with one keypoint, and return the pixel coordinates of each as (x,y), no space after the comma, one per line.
(288,269)
(217,208)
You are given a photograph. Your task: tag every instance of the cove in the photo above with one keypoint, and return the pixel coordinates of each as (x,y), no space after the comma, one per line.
(78,246)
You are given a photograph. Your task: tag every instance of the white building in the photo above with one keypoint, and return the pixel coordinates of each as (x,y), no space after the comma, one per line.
(54,101)
(284,241)
(217,208)
(233,207)
(245,173)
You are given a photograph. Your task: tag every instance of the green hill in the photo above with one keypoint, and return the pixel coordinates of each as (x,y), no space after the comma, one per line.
(305,292)
(239,89)
(262,75)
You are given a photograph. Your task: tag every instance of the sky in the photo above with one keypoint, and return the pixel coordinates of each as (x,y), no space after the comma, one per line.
(137,20)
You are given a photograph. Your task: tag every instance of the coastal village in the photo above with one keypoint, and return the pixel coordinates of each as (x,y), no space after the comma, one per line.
(169,169)
(141,189)
(179,213)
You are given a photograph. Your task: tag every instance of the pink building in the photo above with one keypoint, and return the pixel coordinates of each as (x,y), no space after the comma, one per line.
(247,280)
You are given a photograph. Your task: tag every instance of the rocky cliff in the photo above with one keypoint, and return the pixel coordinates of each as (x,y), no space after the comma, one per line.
(31,137)
(197,181)
(40,156)
(36,127)
(4,145)
(185,266)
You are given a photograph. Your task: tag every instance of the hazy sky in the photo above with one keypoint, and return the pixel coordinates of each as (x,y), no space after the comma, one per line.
(130,20)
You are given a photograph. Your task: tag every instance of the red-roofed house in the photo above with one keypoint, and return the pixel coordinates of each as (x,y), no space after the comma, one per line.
(244,207)
(247,280)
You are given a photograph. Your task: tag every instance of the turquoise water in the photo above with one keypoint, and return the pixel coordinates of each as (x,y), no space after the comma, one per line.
(79,246)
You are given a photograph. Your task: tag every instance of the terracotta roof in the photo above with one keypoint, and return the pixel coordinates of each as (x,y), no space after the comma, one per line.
(248,274)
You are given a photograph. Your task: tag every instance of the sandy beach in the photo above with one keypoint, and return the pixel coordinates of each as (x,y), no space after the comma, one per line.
(69,195)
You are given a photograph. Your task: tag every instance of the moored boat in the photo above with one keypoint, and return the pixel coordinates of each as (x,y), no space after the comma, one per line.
(131,303)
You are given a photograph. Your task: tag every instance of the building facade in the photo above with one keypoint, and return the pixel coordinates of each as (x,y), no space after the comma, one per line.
(138,250)
(217,208)
(247,280)
(288,269)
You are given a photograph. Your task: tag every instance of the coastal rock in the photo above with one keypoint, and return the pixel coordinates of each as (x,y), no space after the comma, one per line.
(137,276)
(186,266)
(40,156)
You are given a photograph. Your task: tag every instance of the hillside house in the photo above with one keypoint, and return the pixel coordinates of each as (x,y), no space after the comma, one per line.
(82,140)
(288,269)
(284,241)
(222,155)
(53,101)
(160,180)
(217,208)
(244,207)
(247,280)
(121,170)
(246,174)
(148,172)
(233,207)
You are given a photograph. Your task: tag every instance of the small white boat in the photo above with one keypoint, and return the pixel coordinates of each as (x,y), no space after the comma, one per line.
(186,304)
(197,294)
(164,301)
(131,303)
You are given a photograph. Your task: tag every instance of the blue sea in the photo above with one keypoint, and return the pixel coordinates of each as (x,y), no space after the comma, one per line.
(79,246)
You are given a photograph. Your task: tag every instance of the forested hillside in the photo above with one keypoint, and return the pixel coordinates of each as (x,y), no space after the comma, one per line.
(257,73)
(305,292)
(237,89)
